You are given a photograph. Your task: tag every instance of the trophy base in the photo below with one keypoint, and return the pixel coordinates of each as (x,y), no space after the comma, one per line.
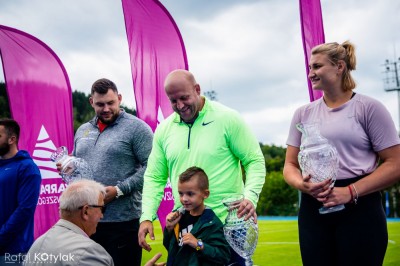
(249,262)
(325,210)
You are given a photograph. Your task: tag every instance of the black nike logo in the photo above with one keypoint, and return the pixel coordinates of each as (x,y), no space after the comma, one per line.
(205,124)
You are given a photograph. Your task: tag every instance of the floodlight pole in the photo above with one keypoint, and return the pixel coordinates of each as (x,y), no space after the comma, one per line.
(391,80)
(392,83)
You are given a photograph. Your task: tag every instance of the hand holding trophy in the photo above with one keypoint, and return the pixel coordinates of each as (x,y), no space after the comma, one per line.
(72,168)
(318,158)
(241,235)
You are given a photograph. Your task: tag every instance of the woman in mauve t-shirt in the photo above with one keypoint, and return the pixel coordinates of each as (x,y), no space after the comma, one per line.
(368,147)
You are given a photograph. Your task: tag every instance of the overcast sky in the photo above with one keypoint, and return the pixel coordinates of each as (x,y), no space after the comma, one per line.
(250,52)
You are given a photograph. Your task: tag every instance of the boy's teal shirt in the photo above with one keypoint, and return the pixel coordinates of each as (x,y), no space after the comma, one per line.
(219,142)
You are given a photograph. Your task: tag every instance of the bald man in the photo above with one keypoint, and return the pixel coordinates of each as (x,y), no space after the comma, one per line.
(208,135)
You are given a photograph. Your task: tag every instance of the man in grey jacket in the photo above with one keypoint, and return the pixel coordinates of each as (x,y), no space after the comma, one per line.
(116,145)
(68,242)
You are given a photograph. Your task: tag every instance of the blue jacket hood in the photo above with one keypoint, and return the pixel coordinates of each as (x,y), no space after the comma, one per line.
(21,155)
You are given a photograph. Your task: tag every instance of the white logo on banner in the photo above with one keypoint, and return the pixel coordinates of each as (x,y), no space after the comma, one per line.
(160,115)
(43,149)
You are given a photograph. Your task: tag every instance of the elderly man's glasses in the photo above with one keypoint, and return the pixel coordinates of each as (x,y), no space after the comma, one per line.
(102,207)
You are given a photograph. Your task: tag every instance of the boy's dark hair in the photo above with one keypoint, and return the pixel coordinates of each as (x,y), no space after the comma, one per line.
(11,126)
(202,178)
(101,86)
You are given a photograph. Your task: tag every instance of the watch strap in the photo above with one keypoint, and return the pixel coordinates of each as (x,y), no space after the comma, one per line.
(199,244)
(119,192)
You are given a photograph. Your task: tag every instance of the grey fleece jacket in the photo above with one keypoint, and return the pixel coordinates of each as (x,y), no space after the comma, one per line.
(118,157)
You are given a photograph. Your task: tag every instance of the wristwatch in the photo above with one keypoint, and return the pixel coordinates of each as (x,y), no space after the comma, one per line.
(199,244)
(119,192)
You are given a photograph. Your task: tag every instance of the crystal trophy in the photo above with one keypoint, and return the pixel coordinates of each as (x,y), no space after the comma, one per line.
(241,235)
(318,158)
(72,168)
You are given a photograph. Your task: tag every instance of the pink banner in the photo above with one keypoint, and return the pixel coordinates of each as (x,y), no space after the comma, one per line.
(312,30)
(41,101)
(156,48)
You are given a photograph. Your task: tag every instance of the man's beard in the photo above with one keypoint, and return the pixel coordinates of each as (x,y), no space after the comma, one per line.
(4,149)
(108,121)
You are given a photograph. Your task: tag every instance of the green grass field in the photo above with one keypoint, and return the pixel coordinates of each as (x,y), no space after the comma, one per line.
(278,244)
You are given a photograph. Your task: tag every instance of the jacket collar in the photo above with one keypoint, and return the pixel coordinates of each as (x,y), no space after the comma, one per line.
(71,226)
(200,117)
(122,113)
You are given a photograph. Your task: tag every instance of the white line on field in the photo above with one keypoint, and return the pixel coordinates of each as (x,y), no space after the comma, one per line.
(278,243)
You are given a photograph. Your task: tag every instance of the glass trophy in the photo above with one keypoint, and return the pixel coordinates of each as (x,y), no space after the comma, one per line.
(241,235)
(318,158)
(72,168)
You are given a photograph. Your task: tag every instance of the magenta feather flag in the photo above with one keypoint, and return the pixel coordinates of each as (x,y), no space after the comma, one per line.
(40,100)
(312,31)
(156,48)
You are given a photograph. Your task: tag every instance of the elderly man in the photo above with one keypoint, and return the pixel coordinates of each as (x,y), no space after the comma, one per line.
(68,242)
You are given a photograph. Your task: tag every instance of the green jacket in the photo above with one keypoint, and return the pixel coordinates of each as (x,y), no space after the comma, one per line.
(219,142)
(210,230)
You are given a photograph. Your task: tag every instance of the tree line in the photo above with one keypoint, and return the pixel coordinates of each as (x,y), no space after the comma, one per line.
(276,199)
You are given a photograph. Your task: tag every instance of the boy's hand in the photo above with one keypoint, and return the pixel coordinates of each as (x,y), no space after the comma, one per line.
(189,239)
(172,219)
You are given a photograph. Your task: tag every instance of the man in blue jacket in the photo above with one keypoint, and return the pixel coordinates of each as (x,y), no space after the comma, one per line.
(19,191)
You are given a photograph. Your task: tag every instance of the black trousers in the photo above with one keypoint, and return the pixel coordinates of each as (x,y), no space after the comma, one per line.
(120,240)
(356,235)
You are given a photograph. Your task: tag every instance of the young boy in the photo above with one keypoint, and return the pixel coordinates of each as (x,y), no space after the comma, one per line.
(193,234)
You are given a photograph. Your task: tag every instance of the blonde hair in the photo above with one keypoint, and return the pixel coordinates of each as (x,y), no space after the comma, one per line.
(336,52)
